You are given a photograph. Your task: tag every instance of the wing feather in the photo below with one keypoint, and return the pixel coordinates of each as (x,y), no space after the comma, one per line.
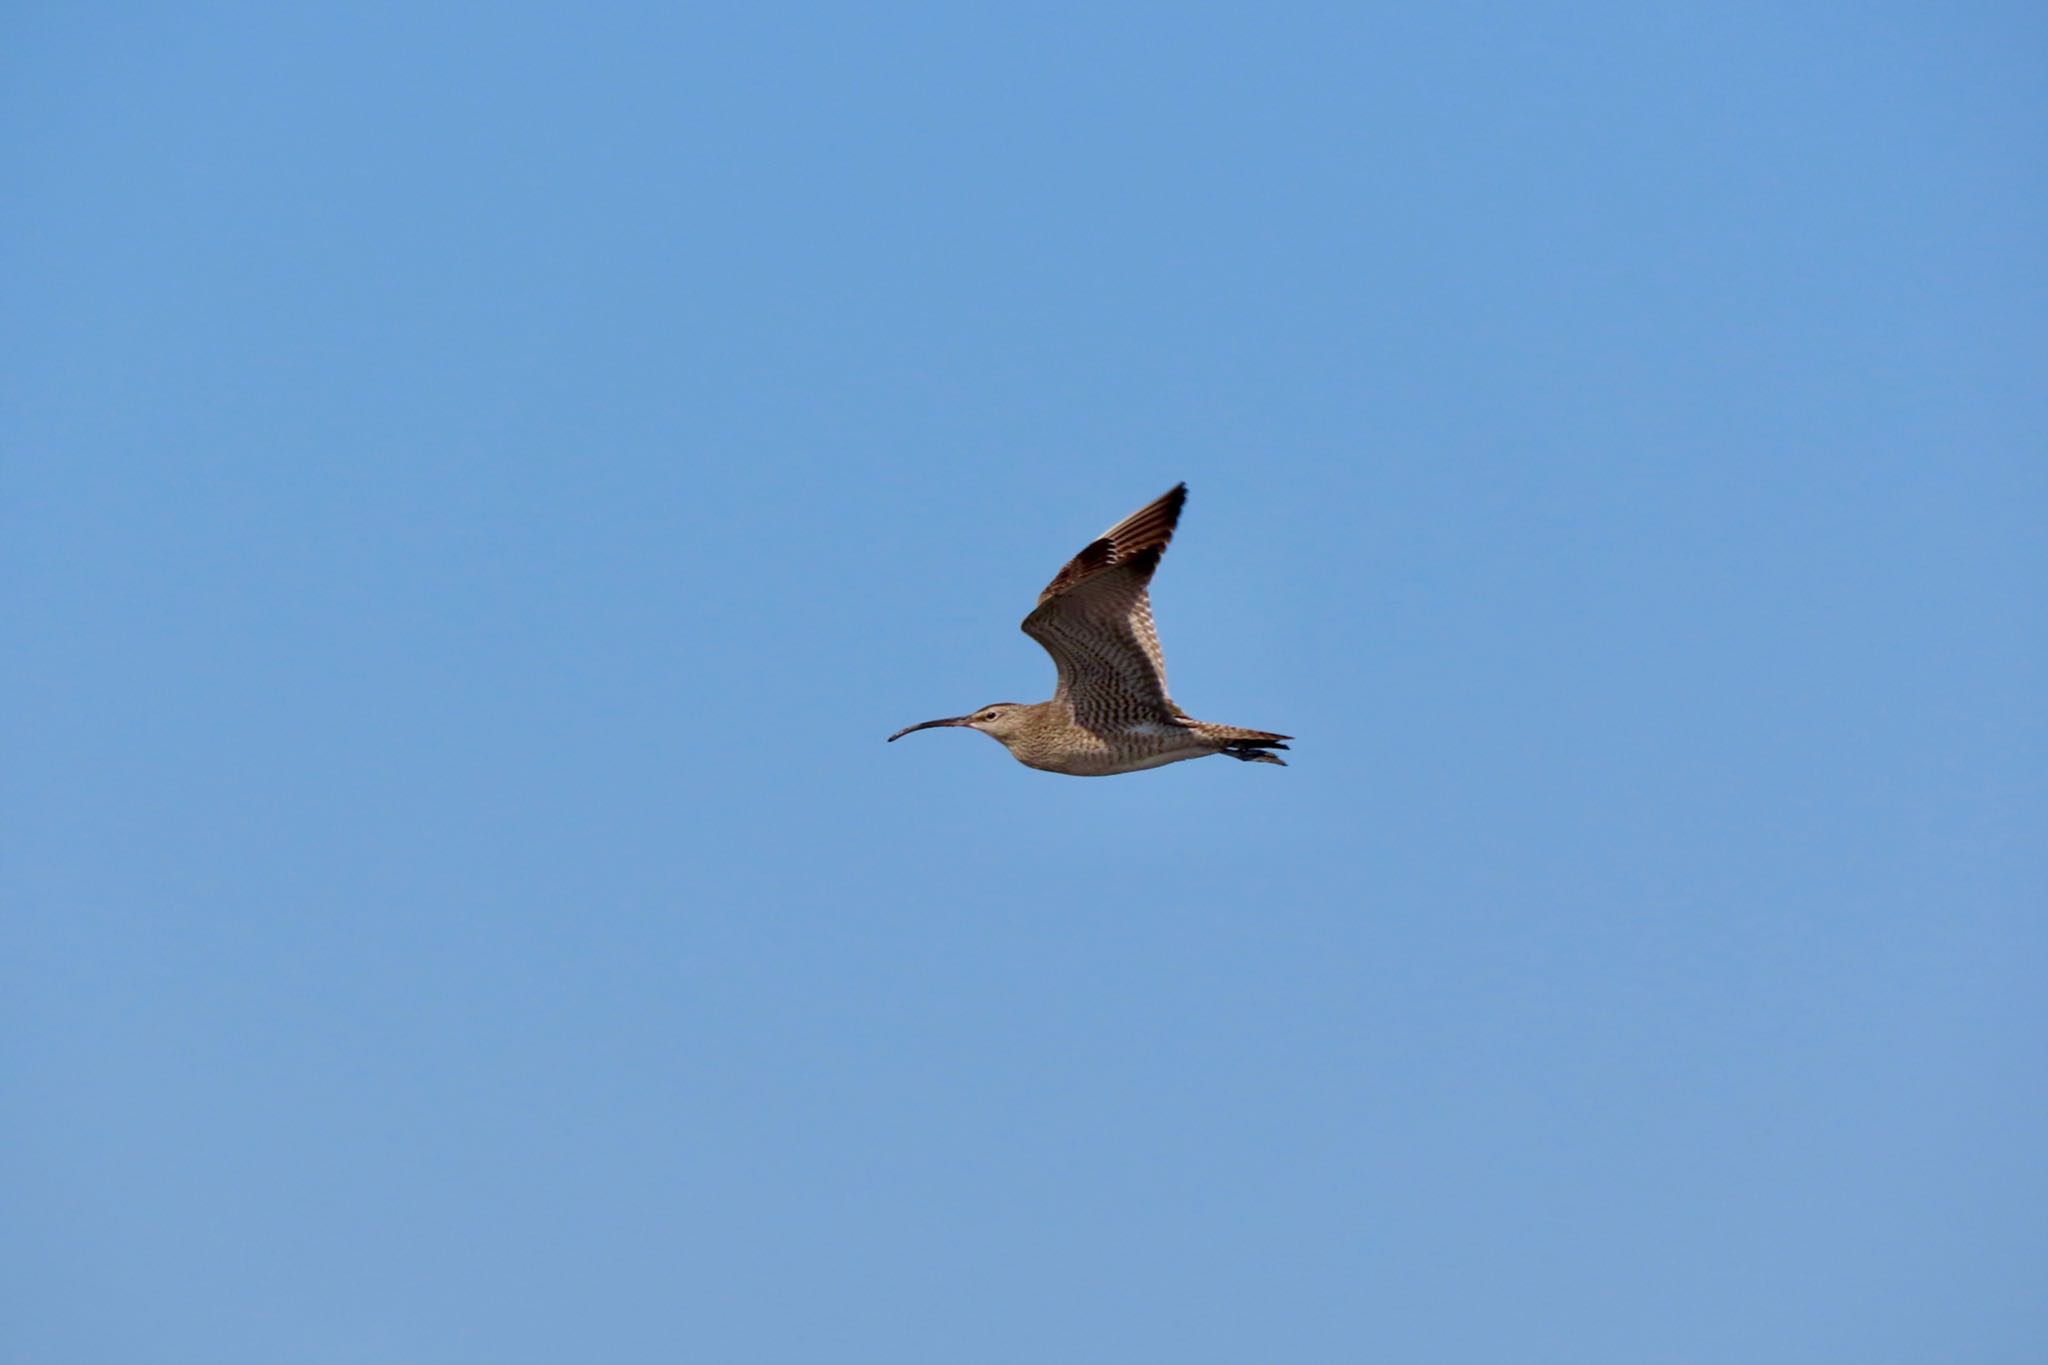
(1095,620)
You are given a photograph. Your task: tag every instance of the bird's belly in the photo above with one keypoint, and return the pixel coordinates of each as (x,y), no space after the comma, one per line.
(1150,746)
(1138,763)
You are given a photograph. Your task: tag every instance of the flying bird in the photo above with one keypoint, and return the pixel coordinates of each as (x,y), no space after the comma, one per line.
(1110,712)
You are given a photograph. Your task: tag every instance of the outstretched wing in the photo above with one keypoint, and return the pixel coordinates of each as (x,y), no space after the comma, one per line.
(1095,619)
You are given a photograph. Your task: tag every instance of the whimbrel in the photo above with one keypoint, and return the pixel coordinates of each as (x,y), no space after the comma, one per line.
(1110,712)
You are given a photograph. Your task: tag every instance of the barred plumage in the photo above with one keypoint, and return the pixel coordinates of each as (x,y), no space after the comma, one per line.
(1110,712)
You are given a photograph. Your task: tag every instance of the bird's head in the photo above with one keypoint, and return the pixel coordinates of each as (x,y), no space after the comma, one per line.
(1003,720)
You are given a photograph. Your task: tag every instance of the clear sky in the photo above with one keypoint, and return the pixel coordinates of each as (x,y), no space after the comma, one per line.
(480,483)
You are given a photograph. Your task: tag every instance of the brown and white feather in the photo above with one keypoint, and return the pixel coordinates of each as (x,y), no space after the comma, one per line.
(1095,620)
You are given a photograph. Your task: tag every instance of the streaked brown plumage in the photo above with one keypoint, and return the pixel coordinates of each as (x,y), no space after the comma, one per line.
(1111,712)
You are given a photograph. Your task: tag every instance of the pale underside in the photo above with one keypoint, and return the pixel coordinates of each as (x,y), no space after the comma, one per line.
(1085,753)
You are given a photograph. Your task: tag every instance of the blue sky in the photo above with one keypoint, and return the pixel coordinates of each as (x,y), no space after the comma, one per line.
(480,483)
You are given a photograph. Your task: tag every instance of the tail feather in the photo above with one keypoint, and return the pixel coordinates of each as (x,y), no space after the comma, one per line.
(1249,746)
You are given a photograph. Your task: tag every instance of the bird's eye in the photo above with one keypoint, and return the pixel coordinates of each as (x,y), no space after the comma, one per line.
(990,715)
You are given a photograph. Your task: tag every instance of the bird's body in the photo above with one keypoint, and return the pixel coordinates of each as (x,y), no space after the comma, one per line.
(1110,712)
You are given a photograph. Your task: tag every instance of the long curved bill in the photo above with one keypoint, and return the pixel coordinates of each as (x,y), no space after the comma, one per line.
(927,725)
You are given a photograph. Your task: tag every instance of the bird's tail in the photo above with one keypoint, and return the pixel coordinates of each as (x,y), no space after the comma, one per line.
(1248,746)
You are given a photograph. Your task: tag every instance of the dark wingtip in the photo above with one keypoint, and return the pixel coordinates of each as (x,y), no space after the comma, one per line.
(1172,501)
(1138,539)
